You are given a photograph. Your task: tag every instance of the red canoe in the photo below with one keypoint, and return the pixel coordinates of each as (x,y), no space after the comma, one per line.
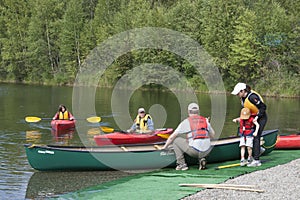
(63,125)
(288,142)
(118,138)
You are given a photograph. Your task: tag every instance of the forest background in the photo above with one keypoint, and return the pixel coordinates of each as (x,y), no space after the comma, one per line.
(252,41)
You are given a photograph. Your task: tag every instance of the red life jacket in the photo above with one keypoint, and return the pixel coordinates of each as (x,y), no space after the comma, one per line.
(247,126)
(198,127)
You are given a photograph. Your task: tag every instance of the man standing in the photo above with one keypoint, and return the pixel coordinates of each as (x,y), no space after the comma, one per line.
(192,136)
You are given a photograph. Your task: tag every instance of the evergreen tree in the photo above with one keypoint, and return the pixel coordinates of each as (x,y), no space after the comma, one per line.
(88,34)
(15,20)
(3,72)
(43,52)
(103,21)
(70,42)
(216,31)
(243,58)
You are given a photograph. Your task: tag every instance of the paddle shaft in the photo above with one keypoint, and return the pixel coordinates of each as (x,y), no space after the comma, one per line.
(228,166)
(234,165)
(37,119)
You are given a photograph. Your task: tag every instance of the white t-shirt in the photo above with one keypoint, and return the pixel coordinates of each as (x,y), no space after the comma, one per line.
(198,144)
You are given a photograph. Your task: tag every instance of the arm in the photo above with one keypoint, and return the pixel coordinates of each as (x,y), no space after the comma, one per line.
(170,140)
(55,116)
(183,128)
(236,120)
(71,117)
(256,128)
(211,131)
(150,124)
(132,128)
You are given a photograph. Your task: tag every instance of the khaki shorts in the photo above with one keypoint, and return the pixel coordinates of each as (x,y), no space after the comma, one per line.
(246,141)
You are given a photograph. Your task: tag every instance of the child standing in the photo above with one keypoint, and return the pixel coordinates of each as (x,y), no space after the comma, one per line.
(248,128)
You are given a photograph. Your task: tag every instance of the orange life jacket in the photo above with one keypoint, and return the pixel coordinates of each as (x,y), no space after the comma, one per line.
(247,126)
(198,127)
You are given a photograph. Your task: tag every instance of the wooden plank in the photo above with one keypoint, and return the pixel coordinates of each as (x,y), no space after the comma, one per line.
(223,186)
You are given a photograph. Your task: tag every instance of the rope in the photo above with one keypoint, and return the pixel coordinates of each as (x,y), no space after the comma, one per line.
(273,145)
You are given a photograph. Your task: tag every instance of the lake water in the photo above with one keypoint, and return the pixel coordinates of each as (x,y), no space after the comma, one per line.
(20,181)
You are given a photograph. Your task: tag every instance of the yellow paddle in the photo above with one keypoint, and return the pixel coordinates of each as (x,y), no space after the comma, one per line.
(93,119)
(164,136)
(228,166)
(37,119)
(106,129)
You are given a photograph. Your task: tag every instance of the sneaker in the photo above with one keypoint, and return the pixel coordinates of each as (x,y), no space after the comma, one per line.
(249,160)
(254,163)
(262,150)
(182,167)
(243,162)
(202,164)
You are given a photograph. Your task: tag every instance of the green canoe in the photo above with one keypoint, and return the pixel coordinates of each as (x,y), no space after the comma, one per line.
(133,157)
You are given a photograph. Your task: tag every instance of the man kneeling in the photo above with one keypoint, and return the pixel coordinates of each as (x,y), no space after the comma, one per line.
(192,136)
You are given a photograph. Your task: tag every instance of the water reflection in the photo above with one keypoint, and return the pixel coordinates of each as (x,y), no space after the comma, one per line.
(33,136)
(50,184)
(62,137)
(94,131)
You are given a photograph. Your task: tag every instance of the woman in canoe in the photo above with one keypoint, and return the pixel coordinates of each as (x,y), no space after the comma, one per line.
(252,100)
(143,123)
(192,136)
(63,114)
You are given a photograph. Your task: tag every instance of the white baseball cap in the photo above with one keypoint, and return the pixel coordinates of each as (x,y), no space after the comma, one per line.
(193,106)
(141,110)
(238,87)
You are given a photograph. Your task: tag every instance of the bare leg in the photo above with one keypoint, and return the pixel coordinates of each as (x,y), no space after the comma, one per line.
(243,152)
(249,152)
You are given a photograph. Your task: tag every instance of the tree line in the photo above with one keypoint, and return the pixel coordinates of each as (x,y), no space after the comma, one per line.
(256,42)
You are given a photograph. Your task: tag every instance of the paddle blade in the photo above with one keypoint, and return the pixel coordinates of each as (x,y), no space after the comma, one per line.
(94,119)
(107,129)
(164,136)
(32,119)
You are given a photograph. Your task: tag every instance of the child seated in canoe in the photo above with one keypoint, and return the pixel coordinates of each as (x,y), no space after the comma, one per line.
(248,128)
(63,114)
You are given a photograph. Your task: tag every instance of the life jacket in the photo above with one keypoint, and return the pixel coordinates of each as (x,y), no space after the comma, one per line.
(198,126)
(247,104)
(142,123)
(247,126)
(63,115)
